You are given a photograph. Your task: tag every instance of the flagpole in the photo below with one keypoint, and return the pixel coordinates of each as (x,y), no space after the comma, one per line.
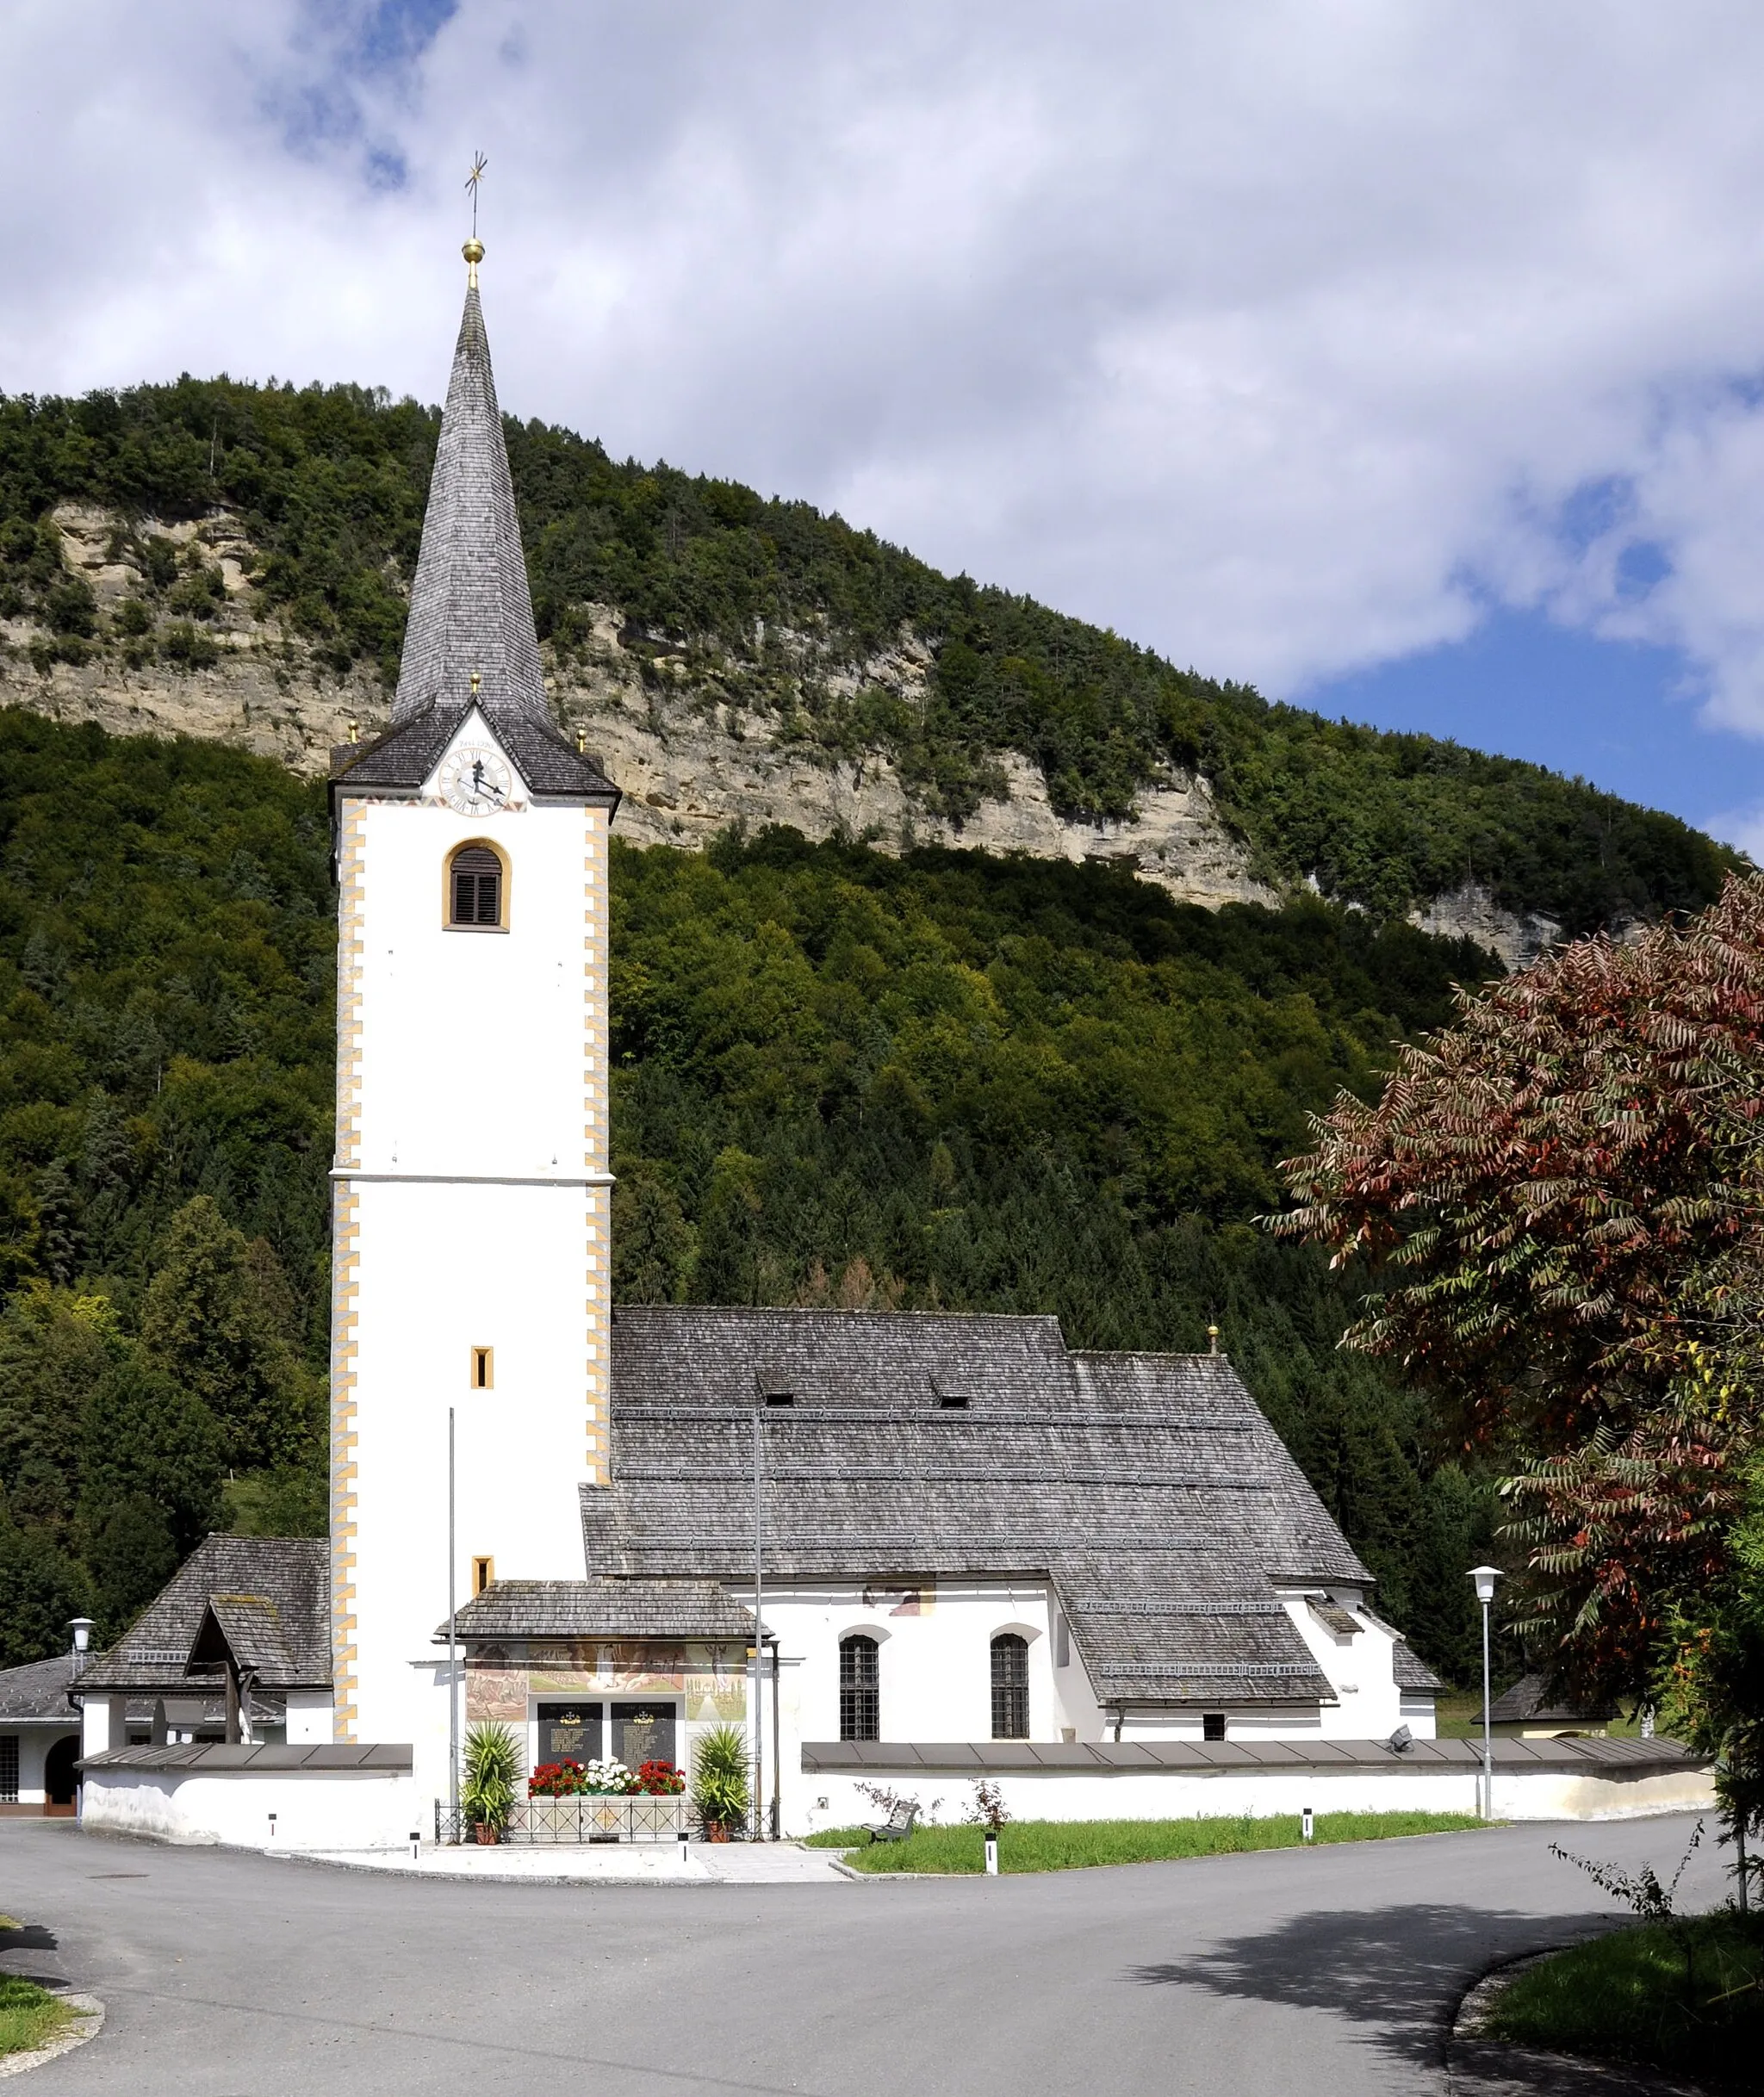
(452,1645)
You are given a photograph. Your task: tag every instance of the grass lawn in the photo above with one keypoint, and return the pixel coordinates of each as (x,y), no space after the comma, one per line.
(1633,1996)
(1066,1846)
(29,2016)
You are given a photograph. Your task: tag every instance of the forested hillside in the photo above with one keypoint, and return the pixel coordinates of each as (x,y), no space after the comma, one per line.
(838,1078)
(774,616)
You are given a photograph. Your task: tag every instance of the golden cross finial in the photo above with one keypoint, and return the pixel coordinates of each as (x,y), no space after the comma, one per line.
(473,248)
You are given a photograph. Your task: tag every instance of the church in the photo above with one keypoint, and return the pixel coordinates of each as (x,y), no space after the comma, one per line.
(956,1545)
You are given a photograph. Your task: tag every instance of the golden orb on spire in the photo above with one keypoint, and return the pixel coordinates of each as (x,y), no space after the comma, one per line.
(473,252)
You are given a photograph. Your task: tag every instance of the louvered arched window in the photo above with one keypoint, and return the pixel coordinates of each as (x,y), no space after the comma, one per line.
(474,890)
(1010,1687)
(860,1689)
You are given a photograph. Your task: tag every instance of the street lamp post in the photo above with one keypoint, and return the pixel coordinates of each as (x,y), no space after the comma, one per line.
(1485,1577)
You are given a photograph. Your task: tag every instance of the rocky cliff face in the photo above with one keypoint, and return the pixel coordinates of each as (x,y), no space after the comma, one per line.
(688,764)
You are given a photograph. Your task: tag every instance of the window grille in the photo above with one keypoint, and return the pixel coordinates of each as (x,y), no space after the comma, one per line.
(1010,1687)
(859,1689)
(476,886)
(8,1768)
(1211,1725)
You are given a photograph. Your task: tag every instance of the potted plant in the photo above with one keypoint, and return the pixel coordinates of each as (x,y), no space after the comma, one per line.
(492,1761)
(720,1780)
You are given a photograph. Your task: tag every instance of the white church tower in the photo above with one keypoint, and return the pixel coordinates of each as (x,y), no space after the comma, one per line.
(471,1231)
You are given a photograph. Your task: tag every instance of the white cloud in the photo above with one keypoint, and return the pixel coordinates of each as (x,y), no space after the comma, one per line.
(1282,335)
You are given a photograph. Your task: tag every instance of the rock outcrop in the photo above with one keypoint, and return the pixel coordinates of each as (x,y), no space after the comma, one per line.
(688,765)
(688,762)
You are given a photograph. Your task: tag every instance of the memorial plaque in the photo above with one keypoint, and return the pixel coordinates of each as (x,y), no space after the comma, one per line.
(642,1733)
(570,1732)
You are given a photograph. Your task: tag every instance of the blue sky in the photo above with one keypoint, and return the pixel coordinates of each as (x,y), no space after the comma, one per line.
(1406,361)
(1621,714)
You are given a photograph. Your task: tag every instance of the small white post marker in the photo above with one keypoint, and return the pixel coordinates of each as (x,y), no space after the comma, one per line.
(991,1853)
(416,1841)
(272,1826)
(1310,1826)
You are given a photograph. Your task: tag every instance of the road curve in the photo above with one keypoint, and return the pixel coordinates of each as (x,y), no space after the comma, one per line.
(1327,1973)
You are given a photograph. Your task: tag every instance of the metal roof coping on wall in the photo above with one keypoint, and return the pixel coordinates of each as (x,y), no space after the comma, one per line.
(243,1759)
(1633,1759)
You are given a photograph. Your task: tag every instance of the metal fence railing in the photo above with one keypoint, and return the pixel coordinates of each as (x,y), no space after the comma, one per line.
(583,1819)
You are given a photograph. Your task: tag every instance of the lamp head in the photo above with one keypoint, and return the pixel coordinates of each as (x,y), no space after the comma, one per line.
(1485,1577)
(82,1630)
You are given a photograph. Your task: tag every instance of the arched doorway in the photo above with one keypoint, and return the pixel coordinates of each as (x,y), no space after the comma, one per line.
(60,1778)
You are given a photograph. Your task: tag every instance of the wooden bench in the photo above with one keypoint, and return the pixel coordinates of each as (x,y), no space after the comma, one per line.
(898,1827)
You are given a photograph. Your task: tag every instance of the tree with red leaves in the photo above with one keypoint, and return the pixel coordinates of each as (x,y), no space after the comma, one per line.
(1559,1205)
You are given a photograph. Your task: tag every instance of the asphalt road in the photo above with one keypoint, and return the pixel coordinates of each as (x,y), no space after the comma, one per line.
(1312,1974)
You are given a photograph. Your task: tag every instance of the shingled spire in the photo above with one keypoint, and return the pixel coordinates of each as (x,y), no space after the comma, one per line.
(469,640)
(471,610)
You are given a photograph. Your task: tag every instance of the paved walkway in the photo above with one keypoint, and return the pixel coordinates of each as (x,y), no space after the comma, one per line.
(1332,1972)
(625,1864)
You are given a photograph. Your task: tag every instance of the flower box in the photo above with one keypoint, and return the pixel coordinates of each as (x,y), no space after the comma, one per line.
(592,1817)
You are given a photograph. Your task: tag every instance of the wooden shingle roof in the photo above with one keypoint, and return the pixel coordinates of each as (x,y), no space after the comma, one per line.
(602,1609)
(272,1593)
(1148,1488)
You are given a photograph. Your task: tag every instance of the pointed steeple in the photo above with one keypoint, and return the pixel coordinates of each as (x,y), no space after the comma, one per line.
(470,609)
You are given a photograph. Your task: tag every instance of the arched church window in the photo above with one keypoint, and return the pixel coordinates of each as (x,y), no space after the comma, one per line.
(474,890)
(1010,1687)
(859,1689)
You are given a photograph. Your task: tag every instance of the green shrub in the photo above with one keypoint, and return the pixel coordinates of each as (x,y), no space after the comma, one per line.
(720,1776)
(159,561)
(188,647)
(69,607)
(199,595)
(133,616)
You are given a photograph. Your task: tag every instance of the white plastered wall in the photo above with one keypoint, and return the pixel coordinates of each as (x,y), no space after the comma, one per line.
(934,1665)
(832,1799)
(473,1199)
(339,1810)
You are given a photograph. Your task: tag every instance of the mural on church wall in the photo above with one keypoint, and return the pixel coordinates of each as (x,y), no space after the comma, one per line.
(710,1681)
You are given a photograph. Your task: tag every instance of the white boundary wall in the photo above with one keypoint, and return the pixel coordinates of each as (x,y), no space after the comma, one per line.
(832,1798)
(332,1808)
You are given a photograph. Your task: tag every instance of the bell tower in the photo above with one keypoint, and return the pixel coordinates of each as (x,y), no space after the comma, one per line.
(471,1225)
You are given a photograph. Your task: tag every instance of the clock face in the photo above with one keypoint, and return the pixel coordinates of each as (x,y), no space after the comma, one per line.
(474,781)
